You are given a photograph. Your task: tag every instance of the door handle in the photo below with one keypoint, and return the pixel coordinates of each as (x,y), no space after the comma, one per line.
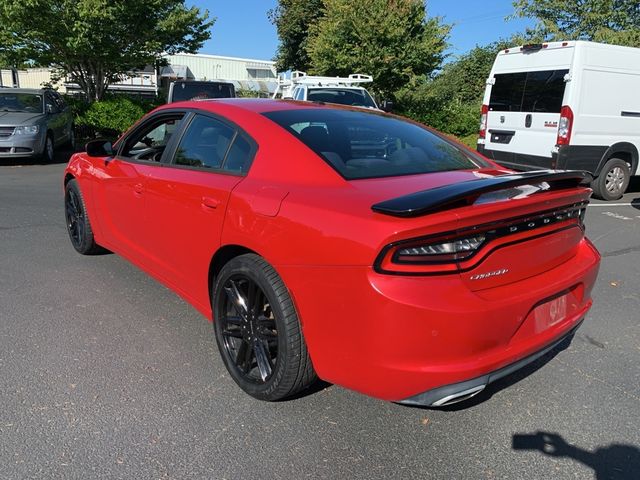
(138,188)
(210,202)
(527,120)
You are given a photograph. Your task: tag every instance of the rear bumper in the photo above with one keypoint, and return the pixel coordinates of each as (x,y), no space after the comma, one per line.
(457,392)
(396,337)
(568,157)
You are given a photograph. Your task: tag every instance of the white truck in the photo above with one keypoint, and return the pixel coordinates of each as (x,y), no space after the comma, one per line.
(565,105)
(340,90)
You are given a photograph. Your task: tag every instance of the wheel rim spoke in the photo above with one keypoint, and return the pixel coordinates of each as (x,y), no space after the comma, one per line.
(248,329)
(237,300)
(263,359)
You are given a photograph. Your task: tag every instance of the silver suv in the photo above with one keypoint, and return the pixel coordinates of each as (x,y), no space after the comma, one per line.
(33,123)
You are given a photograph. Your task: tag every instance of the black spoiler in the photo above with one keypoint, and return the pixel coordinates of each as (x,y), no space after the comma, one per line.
(459,194)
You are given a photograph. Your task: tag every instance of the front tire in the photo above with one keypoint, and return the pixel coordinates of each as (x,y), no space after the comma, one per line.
(49,149)
(78,225)
(613,180)
(258,332)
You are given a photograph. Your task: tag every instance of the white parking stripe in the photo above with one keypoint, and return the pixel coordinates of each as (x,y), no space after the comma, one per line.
(610,204)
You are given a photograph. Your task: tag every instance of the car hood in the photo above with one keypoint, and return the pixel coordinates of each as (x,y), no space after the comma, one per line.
(12,119)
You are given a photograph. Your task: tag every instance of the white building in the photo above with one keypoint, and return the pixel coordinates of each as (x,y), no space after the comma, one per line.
(245,73)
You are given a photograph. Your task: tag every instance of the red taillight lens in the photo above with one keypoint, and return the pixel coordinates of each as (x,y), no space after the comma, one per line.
(483,121)
(564,126)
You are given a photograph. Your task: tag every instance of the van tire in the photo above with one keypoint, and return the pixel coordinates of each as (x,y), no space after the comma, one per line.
(613,180)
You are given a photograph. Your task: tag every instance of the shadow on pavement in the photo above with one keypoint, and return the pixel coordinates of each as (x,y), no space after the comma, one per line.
(613,462)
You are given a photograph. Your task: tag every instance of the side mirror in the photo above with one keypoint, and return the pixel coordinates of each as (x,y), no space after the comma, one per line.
(99,148)
(49,108)
(386,106)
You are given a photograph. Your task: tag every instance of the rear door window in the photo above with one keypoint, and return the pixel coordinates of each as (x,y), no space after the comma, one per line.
(204,144)
(541,91)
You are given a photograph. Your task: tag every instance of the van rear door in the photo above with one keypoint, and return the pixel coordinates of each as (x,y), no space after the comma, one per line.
(525,95)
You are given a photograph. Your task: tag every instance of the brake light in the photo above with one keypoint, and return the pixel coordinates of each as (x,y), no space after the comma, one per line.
(564,126)
(483,121)
(453,251)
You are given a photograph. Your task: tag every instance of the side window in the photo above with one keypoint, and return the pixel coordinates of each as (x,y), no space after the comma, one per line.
(51,104)
(239,157)
(298,94)
(204,144)
(148,143)
(59,100)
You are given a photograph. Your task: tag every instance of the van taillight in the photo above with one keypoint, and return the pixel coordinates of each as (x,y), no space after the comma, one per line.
(483,121)
(564,126)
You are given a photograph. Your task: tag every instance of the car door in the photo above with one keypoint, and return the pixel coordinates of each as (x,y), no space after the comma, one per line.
(187,201)
(120,193)
(66,118)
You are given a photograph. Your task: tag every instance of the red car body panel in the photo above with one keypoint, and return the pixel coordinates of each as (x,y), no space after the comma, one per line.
(392,336)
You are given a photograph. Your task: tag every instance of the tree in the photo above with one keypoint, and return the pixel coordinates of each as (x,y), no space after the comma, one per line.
(393,40)
(608,21)
(451,100)
(95,42)
(292,19)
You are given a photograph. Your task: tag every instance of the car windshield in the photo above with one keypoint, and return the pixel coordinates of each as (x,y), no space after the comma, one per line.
(201,90)
(21,102)
(372,145)
(342,96)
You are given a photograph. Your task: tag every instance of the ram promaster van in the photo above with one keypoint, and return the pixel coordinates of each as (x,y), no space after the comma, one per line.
(565,105)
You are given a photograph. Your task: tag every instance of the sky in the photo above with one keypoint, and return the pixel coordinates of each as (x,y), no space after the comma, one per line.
(242,28)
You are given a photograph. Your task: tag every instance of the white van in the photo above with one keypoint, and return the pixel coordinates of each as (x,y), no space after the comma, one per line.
(566,105)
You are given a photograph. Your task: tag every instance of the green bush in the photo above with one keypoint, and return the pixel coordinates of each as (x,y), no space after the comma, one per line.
(110,117)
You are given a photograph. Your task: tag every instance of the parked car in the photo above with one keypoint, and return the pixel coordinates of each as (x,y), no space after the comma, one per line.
(338,90)
(408,268)
(33,123)
(569,105)
(182,90)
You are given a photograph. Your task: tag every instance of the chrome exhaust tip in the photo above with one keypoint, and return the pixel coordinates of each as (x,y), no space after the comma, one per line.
(458,396)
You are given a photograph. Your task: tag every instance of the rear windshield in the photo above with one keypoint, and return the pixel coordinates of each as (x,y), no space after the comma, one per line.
(342,96)
(201,90)
(371,145)
(528,91)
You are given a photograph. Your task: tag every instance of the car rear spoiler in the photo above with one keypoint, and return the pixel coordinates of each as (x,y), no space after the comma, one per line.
(464,193)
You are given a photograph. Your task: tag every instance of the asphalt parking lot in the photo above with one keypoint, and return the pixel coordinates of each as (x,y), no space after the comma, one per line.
(107,374)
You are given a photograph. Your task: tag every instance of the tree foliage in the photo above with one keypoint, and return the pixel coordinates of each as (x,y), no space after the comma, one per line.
(451,100)
(608,21)
(393,40)
(292,19)
(95,42)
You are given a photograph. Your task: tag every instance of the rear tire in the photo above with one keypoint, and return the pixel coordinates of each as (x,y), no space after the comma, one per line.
(78,225)
(613,180)
(258,332)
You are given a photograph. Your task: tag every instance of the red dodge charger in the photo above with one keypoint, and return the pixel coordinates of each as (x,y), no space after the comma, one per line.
(340,243)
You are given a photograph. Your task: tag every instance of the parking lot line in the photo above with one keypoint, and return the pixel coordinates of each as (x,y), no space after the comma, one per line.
(610,204)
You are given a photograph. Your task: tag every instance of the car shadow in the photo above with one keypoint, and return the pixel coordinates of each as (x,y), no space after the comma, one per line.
(612,462)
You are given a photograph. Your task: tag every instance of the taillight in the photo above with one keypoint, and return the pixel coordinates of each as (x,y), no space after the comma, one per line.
(453,251)
(564,126)
(483,121)
(450,251)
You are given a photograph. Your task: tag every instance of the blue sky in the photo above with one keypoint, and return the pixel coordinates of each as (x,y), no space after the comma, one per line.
(242,28)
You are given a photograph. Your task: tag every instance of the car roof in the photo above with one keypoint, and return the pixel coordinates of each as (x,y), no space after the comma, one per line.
(26,90)
(259,105)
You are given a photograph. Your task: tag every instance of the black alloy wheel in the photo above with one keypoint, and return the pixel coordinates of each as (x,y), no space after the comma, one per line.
(78,225)
(258,332)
